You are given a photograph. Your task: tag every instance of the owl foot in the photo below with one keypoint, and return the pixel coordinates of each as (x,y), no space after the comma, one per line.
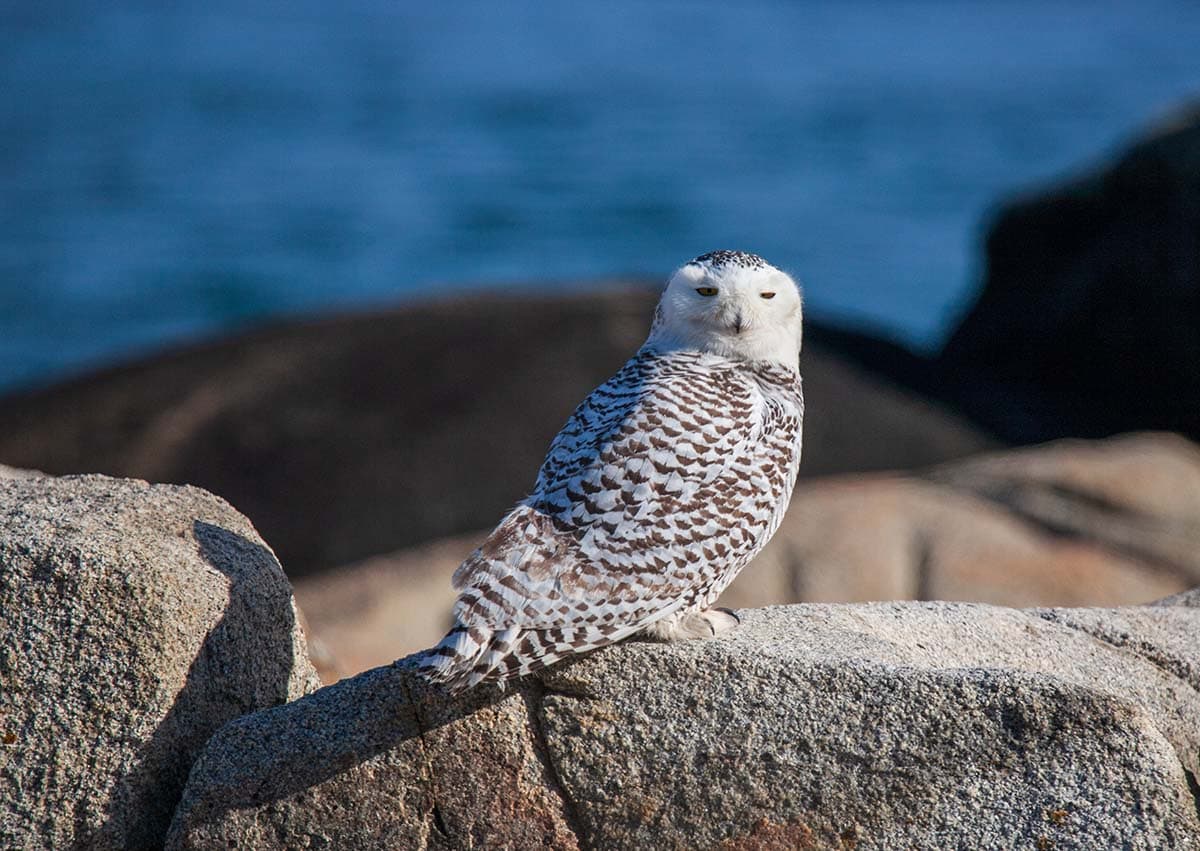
(687,625)
(720,620)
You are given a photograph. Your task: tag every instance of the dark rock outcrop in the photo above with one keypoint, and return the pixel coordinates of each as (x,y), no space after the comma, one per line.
(897,725)
(135,620)
(352,436)
(1089,319)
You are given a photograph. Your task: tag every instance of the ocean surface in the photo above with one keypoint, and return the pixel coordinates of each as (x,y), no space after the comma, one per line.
(171,171)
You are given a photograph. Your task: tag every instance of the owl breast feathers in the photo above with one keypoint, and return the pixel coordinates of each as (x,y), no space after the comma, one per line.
(663,484)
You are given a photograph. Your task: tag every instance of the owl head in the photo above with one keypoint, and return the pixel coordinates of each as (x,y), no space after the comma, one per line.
(732,304)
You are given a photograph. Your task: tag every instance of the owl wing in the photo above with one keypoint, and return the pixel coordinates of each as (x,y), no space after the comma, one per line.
(655,484)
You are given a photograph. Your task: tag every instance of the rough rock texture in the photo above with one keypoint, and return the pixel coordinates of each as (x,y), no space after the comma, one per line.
(1068,524)
(134,621)
(353,436)
(892,725)
(1088,323)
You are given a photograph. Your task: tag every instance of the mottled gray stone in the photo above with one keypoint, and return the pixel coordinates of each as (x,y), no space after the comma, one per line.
(889,725)
(371,763)
(134,621)
(1185,598)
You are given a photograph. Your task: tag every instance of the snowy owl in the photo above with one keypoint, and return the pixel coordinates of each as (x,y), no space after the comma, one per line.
(662,485)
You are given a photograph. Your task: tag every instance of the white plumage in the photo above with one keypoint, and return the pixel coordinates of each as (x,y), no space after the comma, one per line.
(663,484)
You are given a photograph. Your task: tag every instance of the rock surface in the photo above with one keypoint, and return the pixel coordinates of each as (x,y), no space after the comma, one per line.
(17,473)
(358,435)
(1073,523)
(135,620)
(894,725)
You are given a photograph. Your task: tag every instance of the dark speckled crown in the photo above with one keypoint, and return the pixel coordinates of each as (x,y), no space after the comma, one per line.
(724,257)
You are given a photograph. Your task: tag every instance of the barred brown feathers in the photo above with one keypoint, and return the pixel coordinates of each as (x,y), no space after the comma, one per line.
(663,484)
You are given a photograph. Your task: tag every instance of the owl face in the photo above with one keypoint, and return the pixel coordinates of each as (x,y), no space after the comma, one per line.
(741,308)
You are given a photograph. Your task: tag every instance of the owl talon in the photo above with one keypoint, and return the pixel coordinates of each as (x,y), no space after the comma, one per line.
(704,624)
(720,620)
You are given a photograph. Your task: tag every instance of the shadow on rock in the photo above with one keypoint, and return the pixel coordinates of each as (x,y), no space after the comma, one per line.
(258,622)
(338,728)
(418,766)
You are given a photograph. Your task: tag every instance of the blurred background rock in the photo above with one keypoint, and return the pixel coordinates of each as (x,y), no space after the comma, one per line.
(271,252)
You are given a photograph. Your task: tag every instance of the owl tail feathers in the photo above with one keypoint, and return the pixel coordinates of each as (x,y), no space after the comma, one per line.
(466,657)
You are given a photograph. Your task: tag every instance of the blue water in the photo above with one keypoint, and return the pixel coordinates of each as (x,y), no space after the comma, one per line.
(172,171)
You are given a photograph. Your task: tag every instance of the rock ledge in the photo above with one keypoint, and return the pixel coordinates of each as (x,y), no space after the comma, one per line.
(889,725)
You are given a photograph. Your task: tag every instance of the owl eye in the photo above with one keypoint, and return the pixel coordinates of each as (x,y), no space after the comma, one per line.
(706,291)
(767,295)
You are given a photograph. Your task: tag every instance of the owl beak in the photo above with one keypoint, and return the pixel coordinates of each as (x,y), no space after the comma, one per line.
(738,322)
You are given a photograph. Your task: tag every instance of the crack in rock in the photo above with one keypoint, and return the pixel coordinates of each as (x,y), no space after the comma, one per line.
(535,697)
(433,818)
